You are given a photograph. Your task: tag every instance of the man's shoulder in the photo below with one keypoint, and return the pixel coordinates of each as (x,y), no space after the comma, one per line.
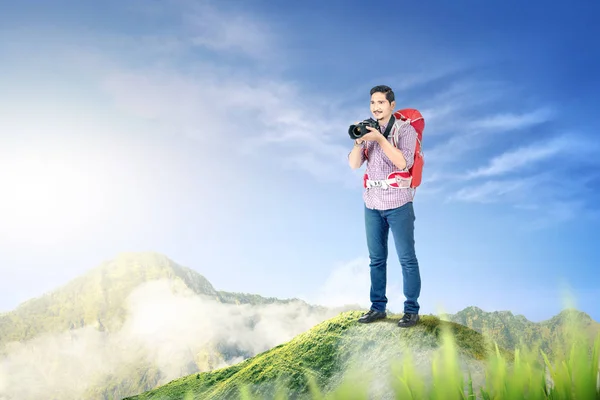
(404,126)
(401,122)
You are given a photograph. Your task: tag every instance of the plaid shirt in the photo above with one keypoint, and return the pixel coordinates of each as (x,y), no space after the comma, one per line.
(379,167)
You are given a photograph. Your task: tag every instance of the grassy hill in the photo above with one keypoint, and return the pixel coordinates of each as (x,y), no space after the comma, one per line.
(327,353)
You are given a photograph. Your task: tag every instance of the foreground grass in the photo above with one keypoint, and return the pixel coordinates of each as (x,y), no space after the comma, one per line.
(574,374)
(571,372)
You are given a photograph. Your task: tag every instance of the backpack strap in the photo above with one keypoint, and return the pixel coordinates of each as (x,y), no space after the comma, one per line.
(395,138)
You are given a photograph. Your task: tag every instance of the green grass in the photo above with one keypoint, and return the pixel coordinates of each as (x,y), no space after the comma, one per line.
(570,373)
(326,359)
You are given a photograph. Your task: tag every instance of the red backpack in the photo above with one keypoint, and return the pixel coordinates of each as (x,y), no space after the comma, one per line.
(417,121)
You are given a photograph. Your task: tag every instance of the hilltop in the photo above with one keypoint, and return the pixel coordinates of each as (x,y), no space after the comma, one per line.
(328,352)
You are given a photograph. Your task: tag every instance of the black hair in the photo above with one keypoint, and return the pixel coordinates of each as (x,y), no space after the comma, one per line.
(389,93)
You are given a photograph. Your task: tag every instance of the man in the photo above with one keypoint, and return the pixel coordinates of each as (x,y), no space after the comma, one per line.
(388,207)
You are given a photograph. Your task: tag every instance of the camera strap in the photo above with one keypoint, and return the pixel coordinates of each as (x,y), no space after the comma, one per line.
(389,127)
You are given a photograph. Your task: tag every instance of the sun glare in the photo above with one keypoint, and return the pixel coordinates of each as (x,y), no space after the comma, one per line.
(45,198)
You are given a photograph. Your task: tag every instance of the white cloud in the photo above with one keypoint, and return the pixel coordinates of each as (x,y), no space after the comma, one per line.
(238,111)
(203,24)
(229,107)
(458,123)
(490,191)
(522,191)
(542,199)
(464,118)
(167,326)
(468,135)
(323,169)
(238,115)
(535,174)
(555,211)
(523,156)
(459,108)
(449,111)
(512,121)
(231,31)
(349,284)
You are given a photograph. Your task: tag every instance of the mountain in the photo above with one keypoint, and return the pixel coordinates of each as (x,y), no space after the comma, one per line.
(135,322)
(97,298)
(330,352)
(511,331)
(141,320)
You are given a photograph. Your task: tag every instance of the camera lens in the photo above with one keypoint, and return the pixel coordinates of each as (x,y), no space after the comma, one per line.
(354,132)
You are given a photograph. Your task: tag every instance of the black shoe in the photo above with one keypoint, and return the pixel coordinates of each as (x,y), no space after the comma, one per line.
(371,316)
(408,320)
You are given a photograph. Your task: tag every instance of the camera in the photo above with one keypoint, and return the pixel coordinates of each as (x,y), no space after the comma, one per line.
(359,130)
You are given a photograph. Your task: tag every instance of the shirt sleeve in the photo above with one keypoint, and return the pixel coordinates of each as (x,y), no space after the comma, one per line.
(407,142)
(363,158)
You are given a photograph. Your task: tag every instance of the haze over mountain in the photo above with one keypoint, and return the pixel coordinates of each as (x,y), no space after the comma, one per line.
(141,320)
(134,322)
(98,298)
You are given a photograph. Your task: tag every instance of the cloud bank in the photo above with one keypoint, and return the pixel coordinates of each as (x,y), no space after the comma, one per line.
(169,331)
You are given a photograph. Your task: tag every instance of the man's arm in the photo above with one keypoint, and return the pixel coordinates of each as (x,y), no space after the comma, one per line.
(356,158)
(402,156)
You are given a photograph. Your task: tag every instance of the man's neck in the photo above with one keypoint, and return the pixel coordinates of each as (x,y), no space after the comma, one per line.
(384,122)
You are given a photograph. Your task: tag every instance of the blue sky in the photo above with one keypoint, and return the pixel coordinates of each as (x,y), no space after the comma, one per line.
(215,133)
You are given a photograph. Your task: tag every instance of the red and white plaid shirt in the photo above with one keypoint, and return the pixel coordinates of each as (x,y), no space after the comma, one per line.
(379,167)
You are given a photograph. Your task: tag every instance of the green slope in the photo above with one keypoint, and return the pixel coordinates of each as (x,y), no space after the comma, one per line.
(326,353)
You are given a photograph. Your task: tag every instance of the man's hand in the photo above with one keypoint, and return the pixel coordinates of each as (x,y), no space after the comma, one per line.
(373,136)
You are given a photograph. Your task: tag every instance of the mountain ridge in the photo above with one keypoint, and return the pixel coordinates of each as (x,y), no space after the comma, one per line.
(93,306)
(131,314)
(87,299)
(511,331)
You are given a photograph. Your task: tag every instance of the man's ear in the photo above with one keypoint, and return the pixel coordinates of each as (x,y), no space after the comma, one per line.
(393,104)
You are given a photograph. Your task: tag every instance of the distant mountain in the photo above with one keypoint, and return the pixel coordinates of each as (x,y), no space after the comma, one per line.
(329,352)
(97,298)
(134,322)
(510,330)
(141,320)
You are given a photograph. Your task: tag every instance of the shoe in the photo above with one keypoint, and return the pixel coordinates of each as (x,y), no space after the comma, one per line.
(408,320)
(371,316)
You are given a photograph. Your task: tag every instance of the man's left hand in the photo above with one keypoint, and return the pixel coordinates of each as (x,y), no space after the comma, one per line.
(373,136)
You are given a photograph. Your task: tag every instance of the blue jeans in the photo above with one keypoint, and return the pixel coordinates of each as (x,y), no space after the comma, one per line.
(400,221)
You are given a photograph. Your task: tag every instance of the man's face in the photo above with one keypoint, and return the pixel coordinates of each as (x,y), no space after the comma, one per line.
(381,107)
